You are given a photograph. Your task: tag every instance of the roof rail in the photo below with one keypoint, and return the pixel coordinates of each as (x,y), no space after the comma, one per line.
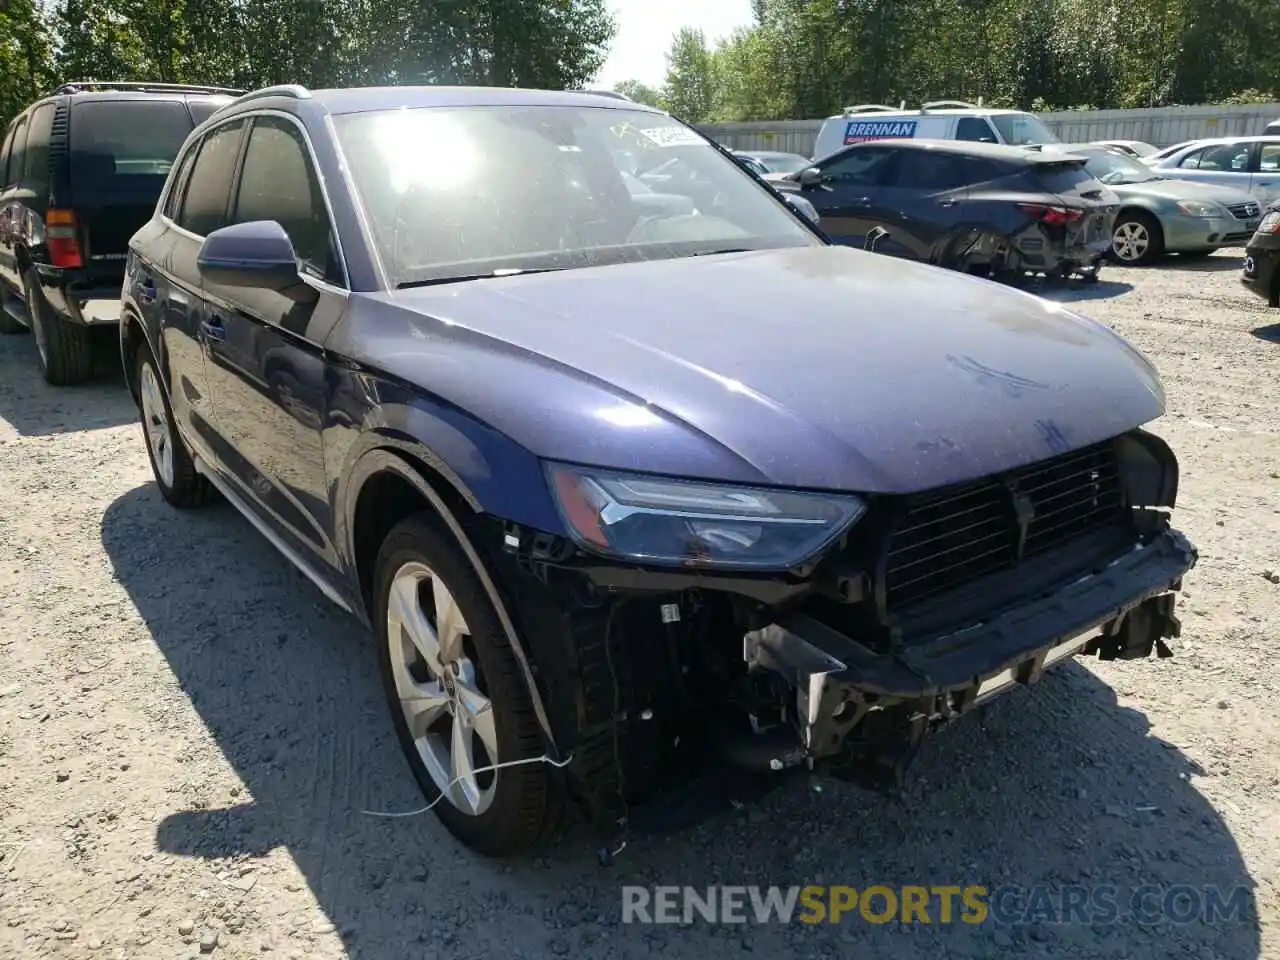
(950,105)
(141,86)
(294,90)
(614,94)
(870,108)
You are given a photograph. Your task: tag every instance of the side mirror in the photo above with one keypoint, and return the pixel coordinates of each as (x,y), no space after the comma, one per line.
(873,238)
(802,206)
(257,254)
(810,177)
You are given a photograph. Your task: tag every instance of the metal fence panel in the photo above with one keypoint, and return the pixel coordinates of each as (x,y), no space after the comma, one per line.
(1161,126)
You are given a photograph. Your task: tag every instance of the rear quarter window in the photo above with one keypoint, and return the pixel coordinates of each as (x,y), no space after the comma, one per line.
(36,164)
(112,139)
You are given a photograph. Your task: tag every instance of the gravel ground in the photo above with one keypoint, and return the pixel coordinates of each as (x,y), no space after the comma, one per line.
(189,733)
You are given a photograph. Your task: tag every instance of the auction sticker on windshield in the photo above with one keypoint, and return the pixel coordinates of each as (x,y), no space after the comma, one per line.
(672,136)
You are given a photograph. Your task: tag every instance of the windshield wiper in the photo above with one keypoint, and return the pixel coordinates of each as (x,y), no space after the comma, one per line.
(715,253)
(468,277)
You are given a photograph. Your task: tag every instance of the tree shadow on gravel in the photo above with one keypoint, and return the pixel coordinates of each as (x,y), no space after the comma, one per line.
(1055,786)
(35,409)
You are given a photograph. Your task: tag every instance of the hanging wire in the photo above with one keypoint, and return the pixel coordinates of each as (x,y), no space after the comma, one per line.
(494,767)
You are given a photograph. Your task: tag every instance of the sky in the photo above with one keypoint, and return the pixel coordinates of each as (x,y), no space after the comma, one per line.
(645,28)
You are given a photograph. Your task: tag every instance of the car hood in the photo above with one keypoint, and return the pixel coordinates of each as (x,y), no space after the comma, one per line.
(1173,190)
(820,367)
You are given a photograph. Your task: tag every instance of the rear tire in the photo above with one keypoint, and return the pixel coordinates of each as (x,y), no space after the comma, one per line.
(63,348)
(1137,239)
(420,568)
(171,463)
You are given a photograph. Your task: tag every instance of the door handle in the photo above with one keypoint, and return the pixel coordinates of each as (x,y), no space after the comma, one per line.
(213,330)
(947,202)
(859,201)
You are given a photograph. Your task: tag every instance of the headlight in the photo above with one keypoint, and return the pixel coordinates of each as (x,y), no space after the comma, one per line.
(1270,223)
(1199,208)
(690,523)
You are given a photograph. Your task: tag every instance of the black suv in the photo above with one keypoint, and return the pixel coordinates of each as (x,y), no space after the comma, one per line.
(80,172)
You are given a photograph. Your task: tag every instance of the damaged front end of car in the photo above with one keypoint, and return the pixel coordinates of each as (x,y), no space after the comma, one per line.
(917,609)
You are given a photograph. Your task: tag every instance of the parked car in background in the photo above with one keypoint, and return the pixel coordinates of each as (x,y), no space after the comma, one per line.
(752,164)
(80,171)
(1261,258)
(772,161)
(629,498)
(938,120)
(1160,215)
(1134,148)
(1166,151)
(1249,164)
(982,208)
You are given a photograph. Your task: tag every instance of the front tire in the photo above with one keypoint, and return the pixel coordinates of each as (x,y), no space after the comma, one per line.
(457,696)
(63,348)
(171,463)
(1137,239)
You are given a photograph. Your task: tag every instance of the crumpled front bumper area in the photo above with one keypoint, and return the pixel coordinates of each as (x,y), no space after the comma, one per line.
(1122,611)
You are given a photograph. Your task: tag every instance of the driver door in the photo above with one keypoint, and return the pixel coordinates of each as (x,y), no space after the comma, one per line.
(850,196)
(267,370)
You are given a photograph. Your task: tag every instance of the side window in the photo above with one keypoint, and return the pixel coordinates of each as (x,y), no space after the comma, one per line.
(864,167)
(1219,158)
(204,204)
(977,129)
(36,165)
(929,171)
(277,183)
(17,154)
(1269,157)
(178,181)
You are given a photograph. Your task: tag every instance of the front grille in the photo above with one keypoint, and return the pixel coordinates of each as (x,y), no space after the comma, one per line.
(952,537)
(1244,211)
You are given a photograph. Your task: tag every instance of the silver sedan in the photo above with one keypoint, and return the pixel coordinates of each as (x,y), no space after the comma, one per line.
(1159,214)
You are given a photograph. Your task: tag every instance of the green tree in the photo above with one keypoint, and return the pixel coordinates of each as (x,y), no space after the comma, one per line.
(689,90)
(639,92)
(26,56)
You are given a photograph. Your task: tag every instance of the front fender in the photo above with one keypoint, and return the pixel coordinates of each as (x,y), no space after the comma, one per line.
(487,469)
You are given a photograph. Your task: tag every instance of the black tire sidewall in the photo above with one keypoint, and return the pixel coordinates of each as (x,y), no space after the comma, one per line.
(513,822)
(187,488)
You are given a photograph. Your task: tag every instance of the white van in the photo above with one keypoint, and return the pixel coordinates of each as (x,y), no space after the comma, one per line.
(938,120)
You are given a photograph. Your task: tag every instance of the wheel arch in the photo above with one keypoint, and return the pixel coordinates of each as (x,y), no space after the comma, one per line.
(132,336)
(389,484)
(1132,208)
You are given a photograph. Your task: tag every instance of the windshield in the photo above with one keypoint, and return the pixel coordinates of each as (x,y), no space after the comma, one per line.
(1115,168)
(453,193)
(1018,129)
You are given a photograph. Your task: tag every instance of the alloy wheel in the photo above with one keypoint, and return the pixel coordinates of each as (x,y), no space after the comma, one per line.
(1130,241)
(442,696)
(155,422)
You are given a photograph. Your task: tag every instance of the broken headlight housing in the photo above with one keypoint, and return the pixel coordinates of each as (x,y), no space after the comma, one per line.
(674,522)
